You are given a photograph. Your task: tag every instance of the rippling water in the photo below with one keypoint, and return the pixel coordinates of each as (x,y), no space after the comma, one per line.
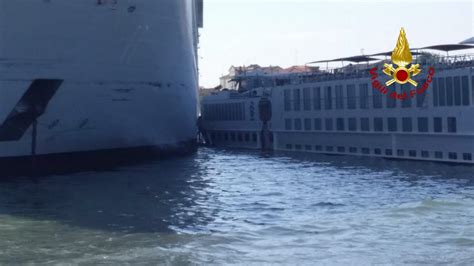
(221,206)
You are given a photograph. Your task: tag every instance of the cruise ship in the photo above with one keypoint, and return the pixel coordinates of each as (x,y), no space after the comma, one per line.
(343,111)
(98,75)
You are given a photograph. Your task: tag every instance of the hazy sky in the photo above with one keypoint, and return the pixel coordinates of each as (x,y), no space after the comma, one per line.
(289,32)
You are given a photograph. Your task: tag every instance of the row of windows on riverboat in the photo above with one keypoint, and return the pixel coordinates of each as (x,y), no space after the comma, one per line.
(424,154)
(446,91)
(379,124)
(224,112)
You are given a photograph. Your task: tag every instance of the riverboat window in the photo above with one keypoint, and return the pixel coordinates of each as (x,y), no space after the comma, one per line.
(306,99)
(351,96)
(400,153)
(364,96)
(405,88)
(378,124)
(297,124)
(289,146)
(435,92)
(298,147)
(425,154)
(329,126)
(339,97)
(453,156)
(388,152)
(420,97)
(365,150)
(465,90)
(330,148)
(247,137)
(287,99)
(317,98)
(318,148)
(442,92)
(391,102)
(457,91)
(438,124)
(340,124)
(352,124)
(317,124)
(352,149)
(307,124)
(422,124)
(364,124)
(254,137)
(328,98)
(308,147)
(407,124)
(449,91)
(412,153)
(377,151)
(392,124)
(467,157)
(288,124)
(297,99)
(452,128)
(439,155)
(377,99)
(341,149)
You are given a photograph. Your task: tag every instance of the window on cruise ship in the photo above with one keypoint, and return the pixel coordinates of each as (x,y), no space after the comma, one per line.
(438,124)
(425,154)
(298,124)
(329,148)
(439,155)
(400,153)
(412,153)
(339,97)
(392,124)
(378,124)
(452,127)
(467,156)
(405,88)
(441,92)
(329,126)
(352,124)
(453,156)
(352,149)
(317,124)
(288,124)
(306,99)
(435,92)
(449,91)
(364,96)
(377,151)
(317,98)
(457,91)
(247,137)
(297,99)
(328,98)
(388,152)
(307,124)
(351,96)
(340,124)
(287,99)
(364,124)
(465,90)
(365,150)
(377,98)
(407,124)
(420,98)
(422,124)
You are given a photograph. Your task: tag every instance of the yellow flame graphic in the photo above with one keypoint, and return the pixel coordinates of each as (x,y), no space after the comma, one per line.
(401,54)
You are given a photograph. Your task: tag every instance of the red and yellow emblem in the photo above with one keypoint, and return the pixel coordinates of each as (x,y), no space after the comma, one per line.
(402,57)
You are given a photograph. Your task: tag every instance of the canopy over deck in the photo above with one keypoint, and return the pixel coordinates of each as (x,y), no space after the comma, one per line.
(354,59)
(448,47)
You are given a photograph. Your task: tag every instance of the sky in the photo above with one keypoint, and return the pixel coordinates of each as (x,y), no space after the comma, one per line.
(295,32)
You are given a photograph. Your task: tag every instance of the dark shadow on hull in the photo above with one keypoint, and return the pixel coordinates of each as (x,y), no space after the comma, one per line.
(102,160)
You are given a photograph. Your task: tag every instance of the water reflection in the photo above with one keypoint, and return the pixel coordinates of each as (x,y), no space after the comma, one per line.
(146,198)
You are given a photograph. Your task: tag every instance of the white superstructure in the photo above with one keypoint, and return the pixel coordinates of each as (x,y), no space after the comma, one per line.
(87,75)
(339,112)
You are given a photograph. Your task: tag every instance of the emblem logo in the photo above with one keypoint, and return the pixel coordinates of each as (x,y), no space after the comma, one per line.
(402,57)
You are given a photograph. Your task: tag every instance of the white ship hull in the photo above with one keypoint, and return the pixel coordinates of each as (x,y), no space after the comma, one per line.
(119,74)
